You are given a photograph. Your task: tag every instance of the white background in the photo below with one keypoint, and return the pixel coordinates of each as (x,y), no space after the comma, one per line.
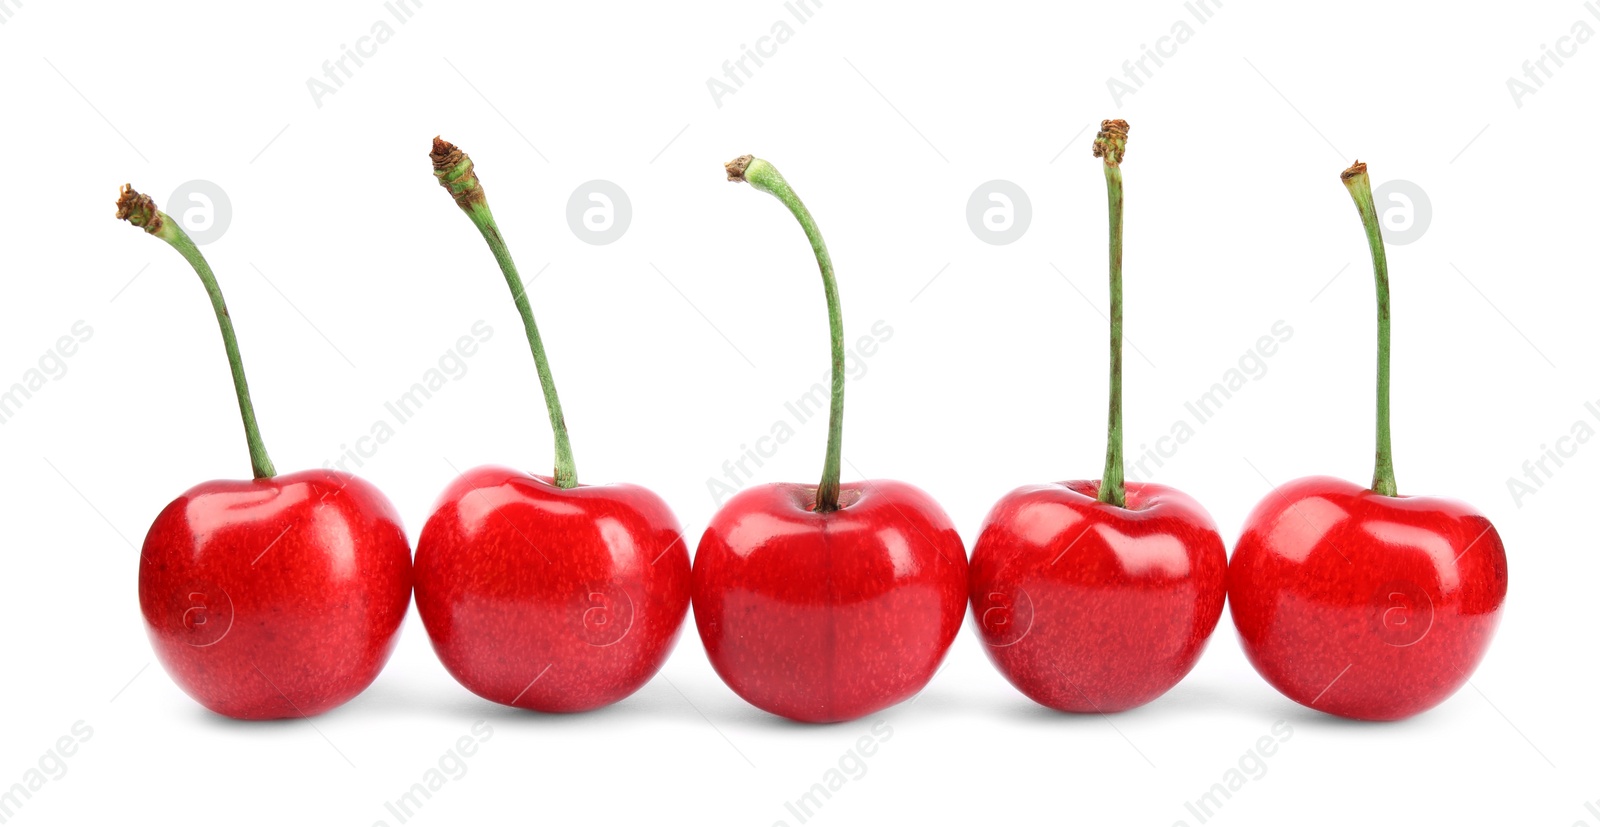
(349,273)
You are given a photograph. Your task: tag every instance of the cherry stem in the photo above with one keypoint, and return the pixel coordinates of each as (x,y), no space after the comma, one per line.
(1109,145)
(140,211)
(455,173)
(765,177)
(1360,186)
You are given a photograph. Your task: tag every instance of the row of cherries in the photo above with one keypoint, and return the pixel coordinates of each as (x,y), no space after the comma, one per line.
(283,595)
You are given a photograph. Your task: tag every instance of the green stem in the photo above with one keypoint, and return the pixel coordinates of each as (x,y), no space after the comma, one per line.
(455,173)
(765,177)
(140,211)
(1360,187)
(1109,145)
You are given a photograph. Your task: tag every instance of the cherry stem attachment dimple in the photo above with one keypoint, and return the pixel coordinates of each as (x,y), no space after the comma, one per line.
(1360,186)
(455,173)
(140,211)
(765,177)
(1109,145)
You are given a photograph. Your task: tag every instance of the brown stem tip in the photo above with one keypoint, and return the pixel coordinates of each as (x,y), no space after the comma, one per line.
(737,166)
(1355,169)
(454,170)
(1111,142)
(138,209)
(445,154)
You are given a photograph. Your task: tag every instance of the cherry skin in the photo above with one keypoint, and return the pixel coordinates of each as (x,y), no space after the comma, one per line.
(1087,607)
(551,599)
(1364,605)
(277,597)
(823,617)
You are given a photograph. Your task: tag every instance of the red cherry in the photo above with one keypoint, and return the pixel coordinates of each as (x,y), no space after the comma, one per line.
(539,592)
(831,602)
(829,616)
(1098,595)
(1358,601)
(548,598)
(1364,605)
(275,597)
(1088,607)
(278,597)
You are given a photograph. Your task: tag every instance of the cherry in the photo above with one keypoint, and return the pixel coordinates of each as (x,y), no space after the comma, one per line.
(275,597)
(1364,603)
(538,592)
(831,602)
(1098,595)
